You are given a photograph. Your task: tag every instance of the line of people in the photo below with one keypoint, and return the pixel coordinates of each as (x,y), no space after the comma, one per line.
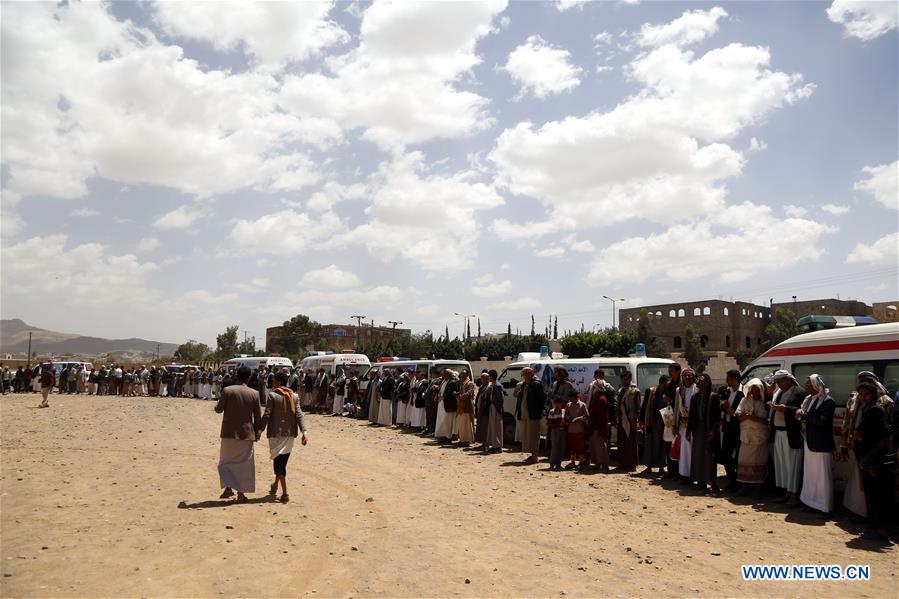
(775,432)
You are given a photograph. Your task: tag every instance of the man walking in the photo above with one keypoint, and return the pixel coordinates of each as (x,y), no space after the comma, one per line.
(48,380)
(241,427)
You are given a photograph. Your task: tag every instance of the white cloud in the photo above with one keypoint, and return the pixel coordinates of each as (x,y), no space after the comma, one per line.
(85,212)
(330,277)
(563,5)
(333,193)
(795,211)
(266,234)
(541,68)
(486,286)
(427,218)
(757,145)
(182,217)
(882,183)
(521,303)
(757,242)
(692,27)
(646,157)
(271,32)
(864,19)
(39,271)
(399,84)
(603,38)
(147,244)
(428,310)
(883,251)
(835,209)
(149,115)
(550,252)
(584,246)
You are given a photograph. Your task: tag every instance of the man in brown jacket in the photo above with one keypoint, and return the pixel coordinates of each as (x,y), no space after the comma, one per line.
(241,417)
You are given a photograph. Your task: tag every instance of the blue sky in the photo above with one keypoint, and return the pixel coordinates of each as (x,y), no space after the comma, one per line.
(169,169)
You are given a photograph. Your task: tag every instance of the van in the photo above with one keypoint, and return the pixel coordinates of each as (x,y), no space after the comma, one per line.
(424,366)
(838,355)
(57,368)
(645,373)
(331,362)
(254,362)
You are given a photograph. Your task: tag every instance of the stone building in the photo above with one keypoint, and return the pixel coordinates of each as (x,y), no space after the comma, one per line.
(339,337)
(728,326)
(885,311)
(721,325)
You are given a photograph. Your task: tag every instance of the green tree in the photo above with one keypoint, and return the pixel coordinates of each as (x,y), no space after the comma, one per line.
(693,350)
(587,344)
(479,327)
(556,328)
(533,324)
(654,347)
(781,328)
(297,334)
(191,352)
(509,330)
(743,357)
(226,343)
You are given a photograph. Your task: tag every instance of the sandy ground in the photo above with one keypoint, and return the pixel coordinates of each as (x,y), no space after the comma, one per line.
(90,507)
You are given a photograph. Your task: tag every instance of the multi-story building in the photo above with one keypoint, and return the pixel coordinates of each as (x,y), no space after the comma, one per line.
(728,326)
(338,337)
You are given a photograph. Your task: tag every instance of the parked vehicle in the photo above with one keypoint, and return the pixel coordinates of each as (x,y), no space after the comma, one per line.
(838,355)
(645,372)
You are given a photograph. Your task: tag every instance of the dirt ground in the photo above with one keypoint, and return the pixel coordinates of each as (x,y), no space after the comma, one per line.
(90,507)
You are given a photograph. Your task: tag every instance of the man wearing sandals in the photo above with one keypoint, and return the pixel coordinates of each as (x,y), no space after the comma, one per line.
(241,426)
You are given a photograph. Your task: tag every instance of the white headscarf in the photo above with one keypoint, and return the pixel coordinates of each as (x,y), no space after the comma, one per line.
(820,387)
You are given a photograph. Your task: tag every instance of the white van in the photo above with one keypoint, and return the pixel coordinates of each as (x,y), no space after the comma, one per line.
(645,372)
(57,367)
(424,366)
(838,355)
(331,362)
(254,362)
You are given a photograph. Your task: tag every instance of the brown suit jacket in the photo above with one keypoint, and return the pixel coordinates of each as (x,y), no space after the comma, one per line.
(239,405)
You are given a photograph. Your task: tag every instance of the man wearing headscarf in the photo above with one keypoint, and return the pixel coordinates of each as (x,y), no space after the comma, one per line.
(817,413)
(654,426)
(283,422)
(372,395)
(483,403)
(683,400)
(446,406)
(752,459)
(464,425)
(628,400)
(598,418)
(871,443)
(385,403)
(497,396)
(787,435)
(531,403)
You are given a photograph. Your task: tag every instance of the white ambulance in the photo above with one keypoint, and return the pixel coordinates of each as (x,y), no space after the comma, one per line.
(838,355)
(331,362)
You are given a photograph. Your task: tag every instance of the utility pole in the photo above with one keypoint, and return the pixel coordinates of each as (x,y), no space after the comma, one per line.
(29,350)
(394,323)
(358,329)
(157,352)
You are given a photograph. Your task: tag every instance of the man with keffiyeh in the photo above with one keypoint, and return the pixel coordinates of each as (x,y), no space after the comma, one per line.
(283,421)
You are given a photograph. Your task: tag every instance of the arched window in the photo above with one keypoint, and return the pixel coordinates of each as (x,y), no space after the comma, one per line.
(696,312)
(678,343)
(659,313)
(748,343)
(726,311)
(706,311)
(672,314)
(681,313)
(758,342)
(703,340)
(744,311)
(727,340)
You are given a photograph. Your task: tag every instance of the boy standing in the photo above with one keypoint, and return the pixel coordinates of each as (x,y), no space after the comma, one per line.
(558,430)
(576,417)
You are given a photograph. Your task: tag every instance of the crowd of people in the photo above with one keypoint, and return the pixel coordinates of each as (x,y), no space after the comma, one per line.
(775,432)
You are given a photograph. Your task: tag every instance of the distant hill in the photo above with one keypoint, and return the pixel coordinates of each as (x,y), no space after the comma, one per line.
(14,339)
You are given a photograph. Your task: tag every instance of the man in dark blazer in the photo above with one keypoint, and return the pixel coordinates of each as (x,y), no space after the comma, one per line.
(531,403)
(730,396)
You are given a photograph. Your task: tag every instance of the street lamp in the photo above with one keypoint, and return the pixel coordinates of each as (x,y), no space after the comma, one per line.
(620,299)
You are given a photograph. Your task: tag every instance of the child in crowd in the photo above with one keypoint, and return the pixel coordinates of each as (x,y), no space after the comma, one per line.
(557,430)
(576,418)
